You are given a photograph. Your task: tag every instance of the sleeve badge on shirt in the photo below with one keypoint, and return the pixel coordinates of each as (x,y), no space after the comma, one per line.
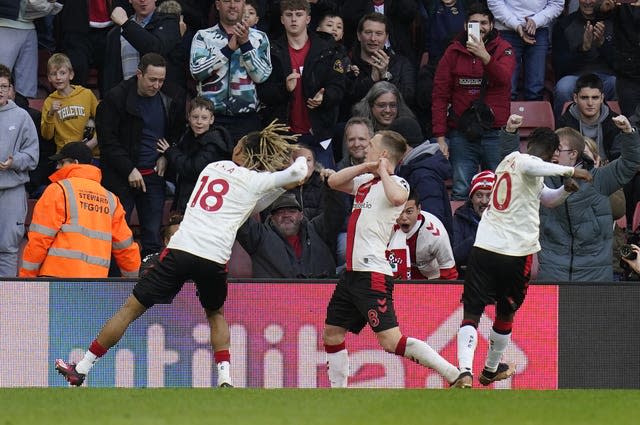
(337,66)
(508,52)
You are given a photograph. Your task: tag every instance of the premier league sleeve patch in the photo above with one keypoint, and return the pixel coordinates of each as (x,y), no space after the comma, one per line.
(508,52)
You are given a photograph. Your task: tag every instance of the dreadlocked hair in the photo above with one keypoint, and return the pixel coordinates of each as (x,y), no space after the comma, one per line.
(269,149)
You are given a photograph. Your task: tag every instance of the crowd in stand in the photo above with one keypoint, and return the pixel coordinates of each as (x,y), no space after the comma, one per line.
(159,89)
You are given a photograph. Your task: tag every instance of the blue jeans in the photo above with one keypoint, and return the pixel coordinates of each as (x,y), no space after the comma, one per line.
(563,92)
(150,207)
(466,157)
(534,59)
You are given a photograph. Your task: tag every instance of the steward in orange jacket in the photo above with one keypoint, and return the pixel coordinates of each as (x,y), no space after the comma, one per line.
(77,224)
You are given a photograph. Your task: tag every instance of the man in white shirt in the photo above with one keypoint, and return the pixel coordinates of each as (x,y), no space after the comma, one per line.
(364,293)
(499,265)
(227,194)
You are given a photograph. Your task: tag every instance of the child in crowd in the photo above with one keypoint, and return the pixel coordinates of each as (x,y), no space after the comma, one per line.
(332,24)
(69,109)
(200,145)
(250,13)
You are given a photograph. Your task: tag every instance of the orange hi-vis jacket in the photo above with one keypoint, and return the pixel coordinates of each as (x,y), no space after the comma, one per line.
(76,225)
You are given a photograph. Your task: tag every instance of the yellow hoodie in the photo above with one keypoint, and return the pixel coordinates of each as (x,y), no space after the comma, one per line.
(67,124)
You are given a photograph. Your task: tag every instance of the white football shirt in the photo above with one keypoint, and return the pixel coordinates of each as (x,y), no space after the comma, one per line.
(371,224)
(510,226)
(224,197)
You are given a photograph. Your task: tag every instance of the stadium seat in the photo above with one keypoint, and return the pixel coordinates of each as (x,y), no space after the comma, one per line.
(535,114)
(455,205)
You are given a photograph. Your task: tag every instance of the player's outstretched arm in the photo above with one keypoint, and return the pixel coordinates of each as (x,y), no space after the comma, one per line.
(295,173)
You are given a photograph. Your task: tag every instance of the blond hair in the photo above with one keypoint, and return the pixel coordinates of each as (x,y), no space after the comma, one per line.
(57,61)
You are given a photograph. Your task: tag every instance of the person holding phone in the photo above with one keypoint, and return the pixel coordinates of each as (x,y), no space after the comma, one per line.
(458,82)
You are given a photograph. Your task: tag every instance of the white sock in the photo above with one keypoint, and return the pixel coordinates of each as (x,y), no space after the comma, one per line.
(87,362)
(497,344)
(338,368)
(467,343)
(421,352)
(224,373)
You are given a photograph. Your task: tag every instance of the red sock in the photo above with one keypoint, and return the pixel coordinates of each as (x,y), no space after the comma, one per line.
(402,346)
(222,356)
(334,348)
(501,327)
(97,349)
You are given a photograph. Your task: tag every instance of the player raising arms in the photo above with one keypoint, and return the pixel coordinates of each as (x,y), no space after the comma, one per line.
(226,194)
(499,266)
(364,293)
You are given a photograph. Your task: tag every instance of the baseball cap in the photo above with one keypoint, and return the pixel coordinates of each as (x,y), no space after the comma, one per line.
(287,200)
(484,180)
(74,150)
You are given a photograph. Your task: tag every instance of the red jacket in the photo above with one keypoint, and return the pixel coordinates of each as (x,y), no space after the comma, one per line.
(459,76)
(77,225)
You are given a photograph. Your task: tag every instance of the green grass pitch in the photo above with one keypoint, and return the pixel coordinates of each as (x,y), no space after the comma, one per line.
(43,406)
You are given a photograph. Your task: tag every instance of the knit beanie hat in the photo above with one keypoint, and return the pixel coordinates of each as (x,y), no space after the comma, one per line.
(484,180)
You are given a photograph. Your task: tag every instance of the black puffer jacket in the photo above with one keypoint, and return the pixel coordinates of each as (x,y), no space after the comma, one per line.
(323,68)
(189,157)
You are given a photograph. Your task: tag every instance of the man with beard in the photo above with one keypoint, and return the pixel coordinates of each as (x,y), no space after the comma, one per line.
(287,245)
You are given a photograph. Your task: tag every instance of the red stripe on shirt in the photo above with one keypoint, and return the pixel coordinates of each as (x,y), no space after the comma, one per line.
(361,194)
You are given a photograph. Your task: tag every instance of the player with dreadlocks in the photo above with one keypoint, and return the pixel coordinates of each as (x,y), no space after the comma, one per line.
(226,194)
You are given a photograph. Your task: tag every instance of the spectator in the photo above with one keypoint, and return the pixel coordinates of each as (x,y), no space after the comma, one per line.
(465,68)
(382,104)
(39,177)
(274,26)
(227,60)
(18,155)
(308,101)
(591,116)
(467,217)
(310,194)
(250,14)
(130,120)
(332,23)
(78,224)
(288,244)
(443,21)
(626,21)
(200,145)
(577,240)
(582,43)
(358,131)
(400,15)
(427,242)
(19,49)
(525,25)
(132,37)
(84,26)
(375,62)
(67,111)
(426,170)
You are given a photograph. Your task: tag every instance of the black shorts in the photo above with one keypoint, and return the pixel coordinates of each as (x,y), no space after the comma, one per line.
(161,282)
(361,298)
(495,279)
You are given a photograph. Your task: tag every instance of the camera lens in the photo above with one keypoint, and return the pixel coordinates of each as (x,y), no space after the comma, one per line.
(627,252)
